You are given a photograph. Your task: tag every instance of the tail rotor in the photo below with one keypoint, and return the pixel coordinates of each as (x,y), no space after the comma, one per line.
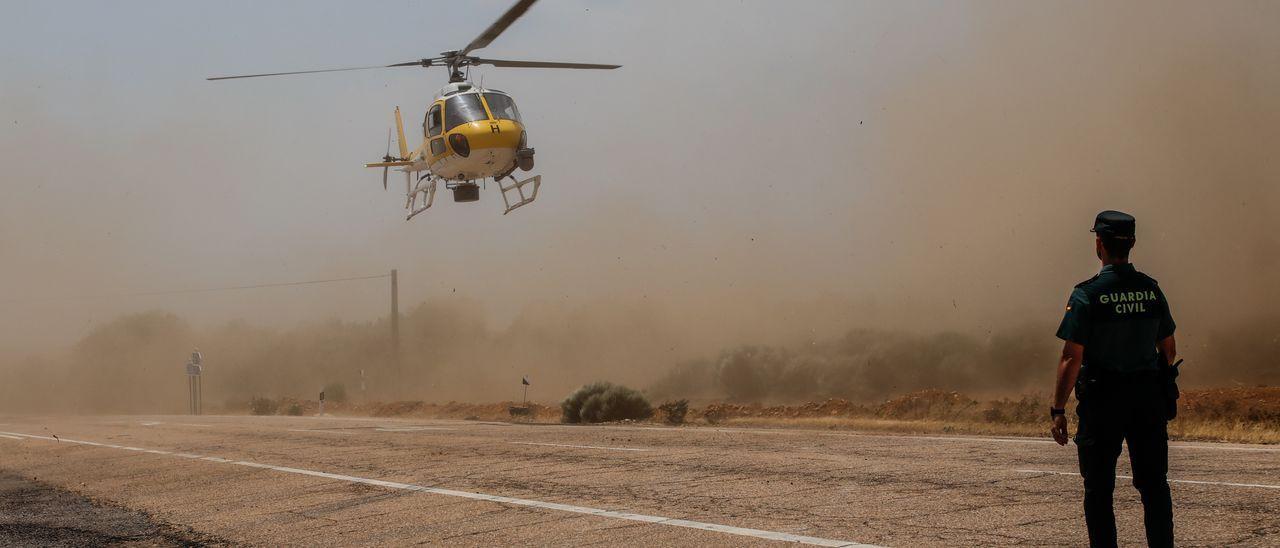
(401,162)
(387,158)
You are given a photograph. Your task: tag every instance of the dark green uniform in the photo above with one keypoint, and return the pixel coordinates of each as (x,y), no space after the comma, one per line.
(1119,316)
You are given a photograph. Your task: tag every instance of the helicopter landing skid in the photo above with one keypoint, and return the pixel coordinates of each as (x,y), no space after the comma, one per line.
(427,191)
(518,188)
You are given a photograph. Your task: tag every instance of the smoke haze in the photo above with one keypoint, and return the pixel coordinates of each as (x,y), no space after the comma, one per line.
(843,188)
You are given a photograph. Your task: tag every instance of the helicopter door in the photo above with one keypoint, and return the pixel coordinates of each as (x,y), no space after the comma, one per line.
(434,127)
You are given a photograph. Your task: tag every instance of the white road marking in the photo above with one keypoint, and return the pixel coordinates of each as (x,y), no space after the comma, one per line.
(318,431)
(1225,447)
(657,520)
(978,439)
(985,439)
(957,438)
(1193,482)
(410,428)
(149,423)
(326,417)
(10,437)
(581,446)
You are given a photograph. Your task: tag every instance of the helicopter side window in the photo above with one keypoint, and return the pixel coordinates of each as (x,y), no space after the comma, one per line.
(461,109)
(502,106)
(432,124)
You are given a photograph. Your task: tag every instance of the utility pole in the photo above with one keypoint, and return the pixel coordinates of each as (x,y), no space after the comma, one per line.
(395,331)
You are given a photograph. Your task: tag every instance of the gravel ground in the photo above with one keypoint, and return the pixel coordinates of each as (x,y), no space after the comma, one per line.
(33,513)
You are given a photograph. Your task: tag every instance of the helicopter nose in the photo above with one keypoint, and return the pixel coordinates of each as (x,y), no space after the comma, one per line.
(494,134)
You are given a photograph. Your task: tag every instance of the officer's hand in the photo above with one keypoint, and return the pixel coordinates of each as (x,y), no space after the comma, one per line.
(1060,429)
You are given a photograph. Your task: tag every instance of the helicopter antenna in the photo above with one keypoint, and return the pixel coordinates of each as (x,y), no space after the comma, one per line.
(457,60)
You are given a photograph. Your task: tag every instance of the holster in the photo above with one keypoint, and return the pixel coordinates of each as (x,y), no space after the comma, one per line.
(1169,380)
(1149,394)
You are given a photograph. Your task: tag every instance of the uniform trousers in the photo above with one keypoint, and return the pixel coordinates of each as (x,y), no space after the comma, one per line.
(1113,411)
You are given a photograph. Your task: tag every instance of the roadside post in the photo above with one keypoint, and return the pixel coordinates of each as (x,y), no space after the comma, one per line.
(523,409)
(321,414)
(194,368)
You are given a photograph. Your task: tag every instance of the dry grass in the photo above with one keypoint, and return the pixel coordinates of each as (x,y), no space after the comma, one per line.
(1233,432)
(1238,415)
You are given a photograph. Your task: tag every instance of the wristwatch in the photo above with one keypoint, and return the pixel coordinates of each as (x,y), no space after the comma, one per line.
(1055,411)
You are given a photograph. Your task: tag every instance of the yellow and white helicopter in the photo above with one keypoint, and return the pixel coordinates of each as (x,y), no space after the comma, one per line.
(469,133)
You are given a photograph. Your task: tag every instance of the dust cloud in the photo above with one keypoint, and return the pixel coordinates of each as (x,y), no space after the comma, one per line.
(903,203)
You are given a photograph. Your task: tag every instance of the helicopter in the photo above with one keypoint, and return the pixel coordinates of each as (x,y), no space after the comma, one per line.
(469,133)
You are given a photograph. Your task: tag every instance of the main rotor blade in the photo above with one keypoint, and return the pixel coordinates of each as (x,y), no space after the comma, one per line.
(540,64)
(418,63)
(498,26)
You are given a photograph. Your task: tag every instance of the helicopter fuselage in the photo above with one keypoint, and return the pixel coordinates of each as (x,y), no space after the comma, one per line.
(469,134)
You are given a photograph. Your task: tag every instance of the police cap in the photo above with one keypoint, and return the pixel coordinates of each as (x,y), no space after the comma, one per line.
(1114,224)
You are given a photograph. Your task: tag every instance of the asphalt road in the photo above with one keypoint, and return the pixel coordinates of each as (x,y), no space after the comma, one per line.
(345,481)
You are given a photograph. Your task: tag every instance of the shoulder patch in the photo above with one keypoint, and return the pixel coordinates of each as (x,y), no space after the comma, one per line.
(1087,282)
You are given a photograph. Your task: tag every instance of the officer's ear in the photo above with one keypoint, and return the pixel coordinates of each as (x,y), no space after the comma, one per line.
(1098,249)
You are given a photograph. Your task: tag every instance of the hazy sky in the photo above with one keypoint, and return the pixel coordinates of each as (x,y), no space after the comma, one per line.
(932,164)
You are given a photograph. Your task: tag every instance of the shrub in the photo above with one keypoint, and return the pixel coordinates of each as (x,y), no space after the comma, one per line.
(335,392)
(675,411)
(602,401)
(929,404)
(263,406)
(1028,410)
(294,409)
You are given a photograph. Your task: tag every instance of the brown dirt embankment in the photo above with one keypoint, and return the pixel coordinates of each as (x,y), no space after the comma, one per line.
(1243,415)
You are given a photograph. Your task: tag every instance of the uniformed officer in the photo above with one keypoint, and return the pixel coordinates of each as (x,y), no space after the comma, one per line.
(1118,337)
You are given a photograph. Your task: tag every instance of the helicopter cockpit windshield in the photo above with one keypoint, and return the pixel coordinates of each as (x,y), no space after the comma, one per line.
(502,107)
(463,108)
